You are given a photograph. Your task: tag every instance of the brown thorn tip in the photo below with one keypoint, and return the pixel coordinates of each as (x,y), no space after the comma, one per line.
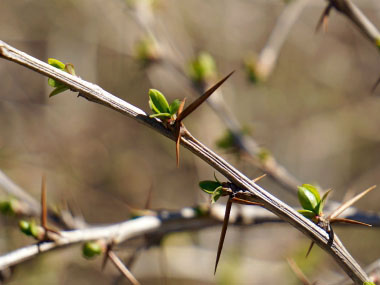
(246,202)
(223,232)
(298,272)
(178,130)
(43,202)
(106,256)
(259,178)
(323,20)
(350,202)
(193,106)
(310,248)
(178,134)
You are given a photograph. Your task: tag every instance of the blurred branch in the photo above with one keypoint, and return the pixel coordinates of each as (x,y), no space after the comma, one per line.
(154,226)
(96,94)
(116,233)
(269,54)
(351,11)
(31,207)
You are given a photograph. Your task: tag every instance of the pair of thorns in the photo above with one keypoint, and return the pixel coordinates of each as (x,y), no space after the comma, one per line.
(179,128)
(321,220)
(109,254)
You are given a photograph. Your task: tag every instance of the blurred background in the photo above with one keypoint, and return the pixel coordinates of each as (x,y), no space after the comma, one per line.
(314,113)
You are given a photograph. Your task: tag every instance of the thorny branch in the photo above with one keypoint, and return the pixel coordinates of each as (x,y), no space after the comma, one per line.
(351,11)
(265,64)
(96,94)
(156,223)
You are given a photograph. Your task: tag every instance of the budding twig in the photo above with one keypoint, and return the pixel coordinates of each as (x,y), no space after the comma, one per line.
(122,268)
(96,94)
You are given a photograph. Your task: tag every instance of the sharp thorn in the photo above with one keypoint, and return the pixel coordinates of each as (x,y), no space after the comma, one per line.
(298,272)
(178,130)
(43,203)
(259,178)
(349,203)
(122,268)
(178,140)
(323,20)
(223,232)
(193,106)
(310,248)
(246,202)
(106,256)
(349,221)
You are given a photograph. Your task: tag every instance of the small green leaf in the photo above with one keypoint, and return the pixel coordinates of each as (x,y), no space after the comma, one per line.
(59,86)
(307,214)
(314,190)
(58,90)
(209,186)
(158,102)
(161,116)
(54,83)
(368,283)
(25,227)
(321,204)
(217,194)
(153,107)
(91,249)
(309,197)
(33,229)
(56,63)
(174,106)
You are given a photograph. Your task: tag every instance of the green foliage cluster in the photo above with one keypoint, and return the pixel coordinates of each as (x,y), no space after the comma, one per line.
(160,106)
(215,188)
(59,87)
(311,201)
(31,229)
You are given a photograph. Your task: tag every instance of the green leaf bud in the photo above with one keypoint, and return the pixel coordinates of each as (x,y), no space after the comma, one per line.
(92,249)
(309,197)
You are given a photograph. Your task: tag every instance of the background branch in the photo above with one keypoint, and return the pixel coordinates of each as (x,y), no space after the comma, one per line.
(351,11)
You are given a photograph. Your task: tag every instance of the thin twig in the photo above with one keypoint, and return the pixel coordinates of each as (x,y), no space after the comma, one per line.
(16,191)
(154,224)
(269,54)
(351,11)
(31,207)
(267,60)
(122,268)
(96,94)
(117,232)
